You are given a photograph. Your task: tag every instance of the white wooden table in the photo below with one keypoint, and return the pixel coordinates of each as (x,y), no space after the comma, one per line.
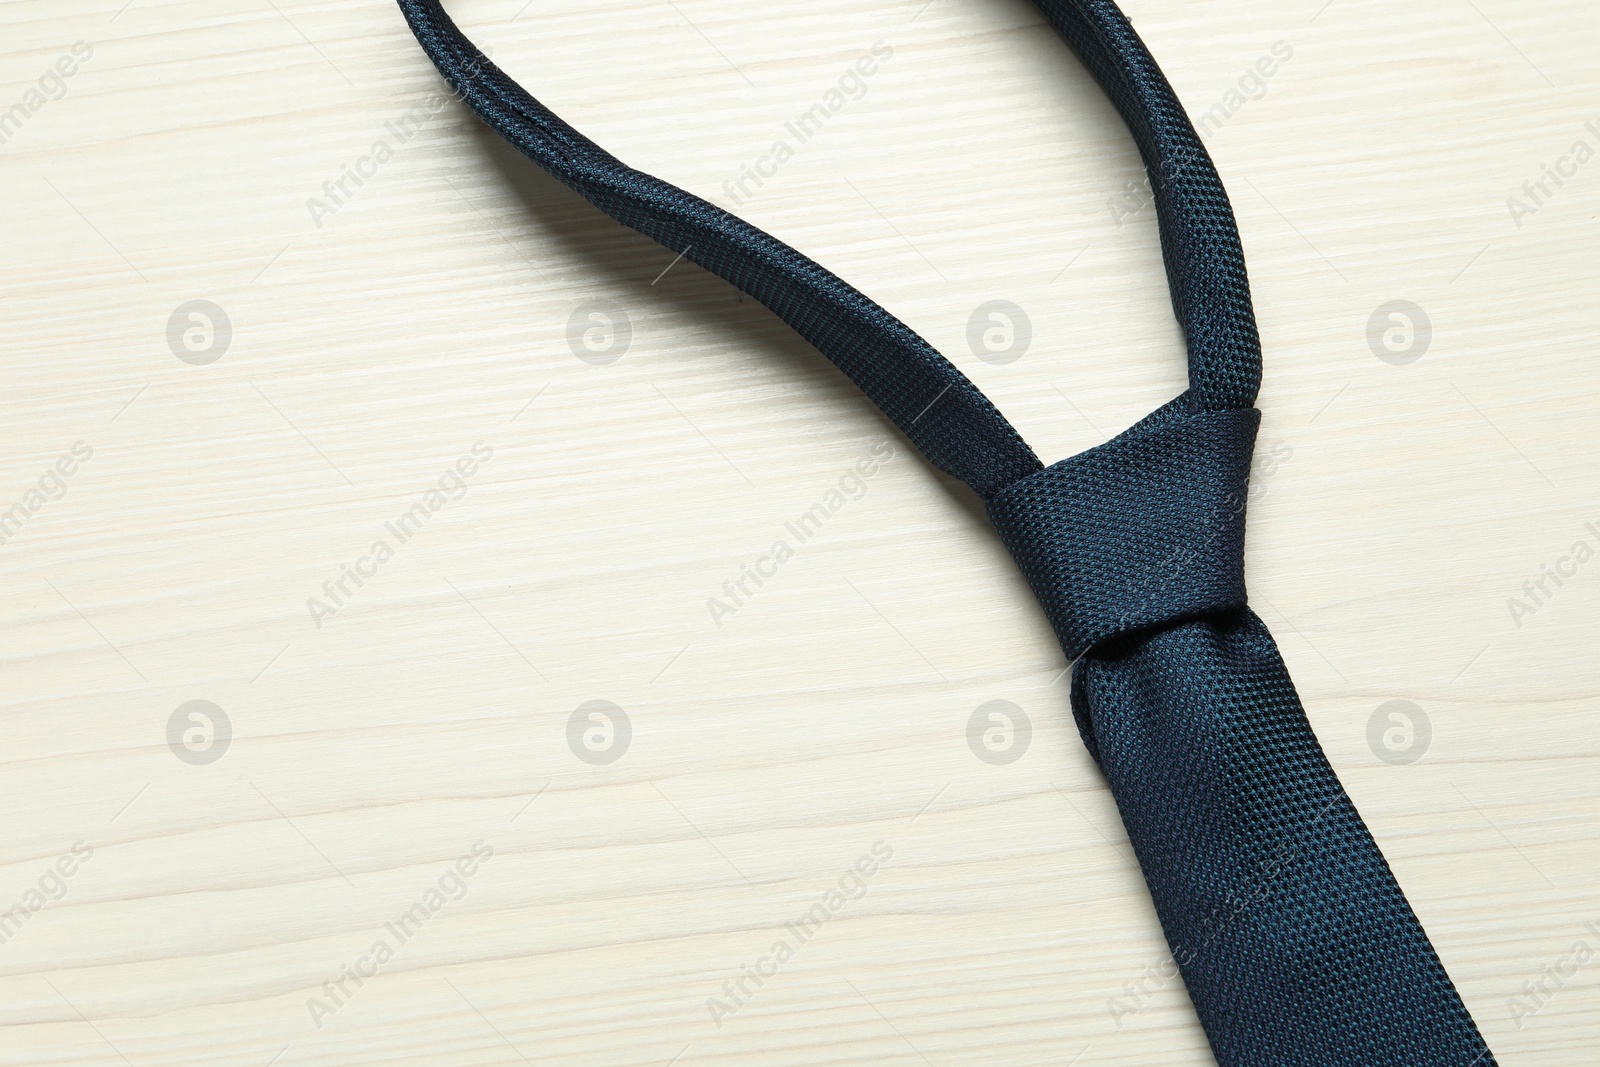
(412,760)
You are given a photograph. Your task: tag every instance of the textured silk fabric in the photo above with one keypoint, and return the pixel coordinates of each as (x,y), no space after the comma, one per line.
(1144,530)
(1199,240)
(932,403)
(1296,945)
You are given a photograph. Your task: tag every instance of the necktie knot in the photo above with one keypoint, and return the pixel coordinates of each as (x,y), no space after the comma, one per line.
(1296,945)
(1141,532)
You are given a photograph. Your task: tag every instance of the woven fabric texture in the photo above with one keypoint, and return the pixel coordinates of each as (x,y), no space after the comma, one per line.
(1199,238)
(1297,947)
(934,404)
(1102,544)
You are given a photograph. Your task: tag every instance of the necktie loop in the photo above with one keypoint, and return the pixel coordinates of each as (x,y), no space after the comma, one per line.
(1296,945)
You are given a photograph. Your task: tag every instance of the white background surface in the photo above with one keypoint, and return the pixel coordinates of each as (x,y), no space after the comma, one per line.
(430,311)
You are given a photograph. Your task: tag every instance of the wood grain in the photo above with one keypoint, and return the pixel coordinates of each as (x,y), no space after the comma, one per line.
(213,910)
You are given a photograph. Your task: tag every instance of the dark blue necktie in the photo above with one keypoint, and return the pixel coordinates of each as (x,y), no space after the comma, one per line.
(1297,947)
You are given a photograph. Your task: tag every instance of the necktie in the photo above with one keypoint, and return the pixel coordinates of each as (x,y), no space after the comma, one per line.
(1296,945)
